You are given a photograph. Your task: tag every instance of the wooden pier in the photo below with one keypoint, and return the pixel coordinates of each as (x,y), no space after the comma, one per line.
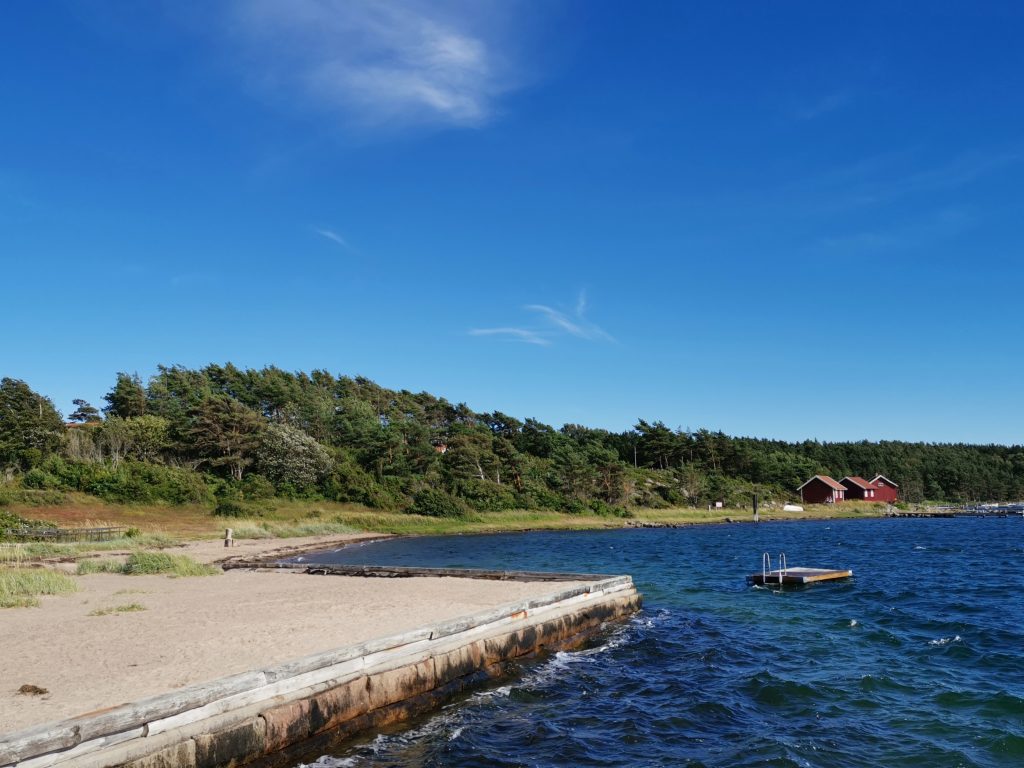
(796,576)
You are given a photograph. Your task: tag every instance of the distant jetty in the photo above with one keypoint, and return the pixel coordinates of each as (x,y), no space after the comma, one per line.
(965,510)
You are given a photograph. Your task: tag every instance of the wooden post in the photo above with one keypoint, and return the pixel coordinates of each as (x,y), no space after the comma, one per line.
(755,508)
(228,540)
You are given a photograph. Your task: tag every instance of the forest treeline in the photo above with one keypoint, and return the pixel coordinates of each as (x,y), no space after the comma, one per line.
(233,438)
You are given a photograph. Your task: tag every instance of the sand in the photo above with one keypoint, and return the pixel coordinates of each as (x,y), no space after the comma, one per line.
(198,629)
(213,550)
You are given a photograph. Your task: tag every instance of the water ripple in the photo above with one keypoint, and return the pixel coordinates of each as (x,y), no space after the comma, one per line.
(915,662)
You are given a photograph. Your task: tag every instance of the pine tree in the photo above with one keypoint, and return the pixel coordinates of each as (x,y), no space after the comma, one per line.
(84,413)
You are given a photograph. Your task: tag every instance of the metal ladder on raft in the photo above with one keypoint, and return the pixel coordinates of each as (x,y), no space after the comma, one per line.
(766,567)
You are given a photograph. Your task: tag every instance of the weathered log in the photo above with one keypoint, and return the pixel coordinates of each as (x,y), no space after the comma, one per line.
(401,571)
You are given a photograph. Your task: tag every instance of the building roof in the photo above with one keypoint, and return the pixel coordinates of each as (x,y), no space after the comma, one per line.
(858,481)
(883,477)
(827,481)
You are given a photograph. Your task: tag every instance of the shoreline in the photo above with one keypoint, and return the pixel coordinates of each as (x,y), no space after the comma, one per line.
(206,719)
(176,632)
(196,608)
(65,557)
(302,519)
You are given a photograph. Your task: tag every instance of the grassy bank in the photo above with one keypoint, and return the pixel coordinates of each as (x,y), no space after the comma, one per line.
(162,526)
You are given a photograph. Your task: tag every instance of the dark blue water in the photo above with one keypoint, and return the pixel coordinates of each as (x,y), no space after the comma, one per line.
(917,661)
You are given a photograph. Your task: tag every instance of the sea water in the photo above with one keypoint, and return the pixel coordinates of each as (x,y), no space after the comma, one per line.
(916,661)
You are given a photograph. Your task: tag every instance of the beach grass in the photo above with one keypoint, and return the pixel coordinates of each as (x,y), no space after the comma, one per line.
(149,564)
(37,550)
(100,565)
(288,529)
(21,587)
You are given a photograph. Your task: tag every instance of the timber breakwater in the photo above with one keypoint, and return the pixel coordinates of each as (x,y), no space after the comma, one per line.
(267,716)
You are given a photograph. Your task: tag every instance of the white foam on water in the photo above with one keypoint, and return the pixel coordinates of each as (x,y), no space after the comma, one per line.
(449,722)
(945,640)
(331,762)
(504,690)
(853,623)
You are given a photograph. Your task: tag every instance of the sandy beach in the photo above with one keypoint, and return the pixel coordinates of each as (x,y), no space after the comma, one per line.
(191,630)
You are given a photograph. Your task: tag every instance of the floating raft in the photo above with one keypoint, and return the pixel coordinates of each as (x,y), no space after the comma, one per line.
(793,576)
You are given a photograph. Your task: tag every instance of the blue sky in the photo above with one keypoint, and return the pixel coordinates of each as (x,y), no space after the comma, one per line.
(792,220)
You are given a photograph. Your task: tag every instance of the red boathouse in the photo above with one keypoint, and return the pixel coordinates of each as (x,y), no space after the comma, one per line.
(885,489)
(821,489)
(859,488)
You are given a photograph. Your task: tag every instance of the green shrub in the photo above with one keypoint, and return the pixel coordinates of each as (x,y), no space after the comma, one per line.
(12,522)
(73,475)
(488,497)
(231,501)
(39,479)
(30,497)
(257,487)
(574,507)
(536,495)
(605,509)
(350,482)
(128,482)
(237,508)
(433,502)
(671,495)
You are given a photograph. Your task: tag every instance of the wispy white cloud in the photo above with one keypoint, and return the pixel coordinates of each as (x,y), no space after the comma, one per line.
(558,323)
(577,325)
(377,62)
(334,237)
(516,334)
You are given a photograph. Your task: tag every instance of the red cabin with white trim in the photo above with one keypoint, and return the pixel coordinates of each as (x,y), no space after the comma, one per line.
(859,488)
(885,489)
(822,489)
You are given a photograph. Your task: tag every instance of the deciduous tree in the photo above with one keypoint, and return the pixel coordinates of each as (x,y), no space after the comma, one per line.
(288,456)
